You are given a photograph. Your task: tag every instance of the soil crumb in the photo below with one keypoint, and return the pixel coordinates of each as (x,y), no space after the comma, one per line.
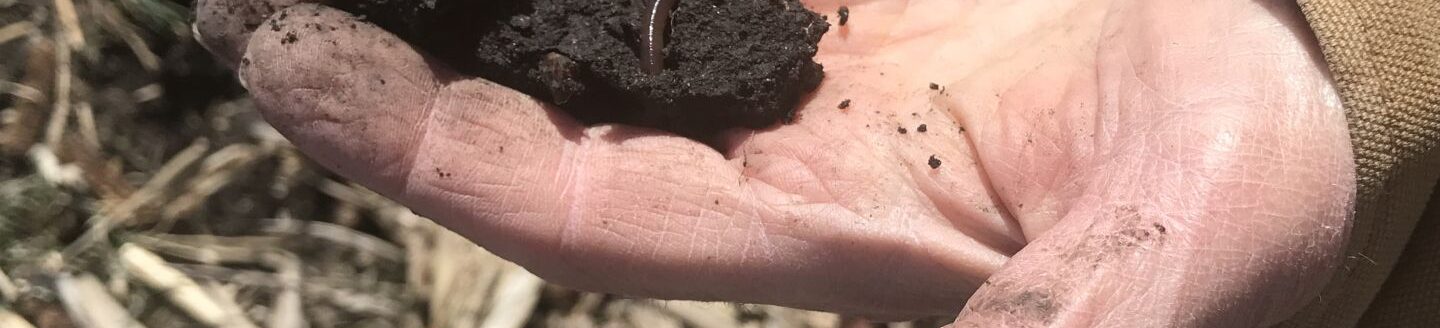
(934,162)
(844,14)
(844,104)
(725,63)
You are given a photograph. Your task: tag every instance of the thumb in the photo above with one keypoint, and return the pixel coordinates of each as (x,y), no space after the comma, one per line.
(1212,205)
(1229,262)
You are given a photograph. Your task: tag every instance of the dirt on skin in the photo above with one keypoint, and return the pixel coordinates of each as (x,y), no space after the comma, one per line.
(727,63)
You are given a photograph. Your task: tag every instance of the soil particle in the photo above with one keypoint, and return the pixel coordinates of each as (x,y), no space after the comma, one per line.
(934,86)
(1128,233)
(1032,304)
(725,63)
(844,104)
(934,162)
(922,128)
(844,13)
(558,74)
(902,130)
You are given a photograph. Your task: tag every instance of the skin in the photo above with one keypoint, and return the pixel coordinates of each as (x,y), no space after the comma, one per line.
(1123,163)
(656,22)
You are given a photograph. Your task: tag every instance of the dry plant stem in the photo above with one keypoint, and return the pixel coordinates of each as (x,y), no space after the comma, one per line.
(48,165)
(60,112)
(286,309)
(356,302)
(180,290)
(105,181)
(223,294)
(404,227)
(335,234)
(462,276)
(85,116)
(702,315)
(639,314)
(154,188)
(72,35)
(289,171)
(88,303)
(266,279)
(515,296)
(111,17)
(216,251)
(312,288)
(148,194)
(351,194)
(164,243)
(217,171)
(262,132)
(15,31)
(11,320)
(17,136)
(248,277)
(346,214)
(148,93)
(22,91)
(8,291)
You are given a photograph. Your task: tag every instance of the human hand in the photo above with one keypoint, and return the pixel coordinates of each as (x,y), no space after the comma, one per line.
(1153,163)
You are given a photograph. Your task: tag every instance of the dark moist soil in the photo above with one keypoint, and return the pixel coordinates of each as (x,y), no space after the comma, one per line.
(728,63)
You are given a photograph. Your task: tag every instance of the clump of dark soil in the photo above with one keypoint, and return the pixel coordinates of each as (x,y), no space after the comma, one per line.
(727,63)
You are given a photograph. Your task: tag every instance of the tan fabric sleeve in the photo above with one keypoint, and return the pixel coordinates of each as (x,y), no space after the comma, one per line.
(1411,296)
(1385,57)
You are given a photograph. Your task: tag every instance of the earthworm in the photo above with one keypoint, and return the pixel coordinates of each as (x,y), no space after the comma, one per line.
(652,59)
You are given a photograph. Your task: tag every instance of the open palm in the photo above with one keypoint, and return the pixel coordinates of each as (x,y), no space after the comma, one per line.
(1077,162)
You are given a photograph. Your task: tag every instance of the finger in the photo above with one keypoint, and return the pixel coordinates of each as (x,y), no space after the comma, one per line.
(1217,204)
(605,208)
(362,103)
(224,26)
(320,76)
